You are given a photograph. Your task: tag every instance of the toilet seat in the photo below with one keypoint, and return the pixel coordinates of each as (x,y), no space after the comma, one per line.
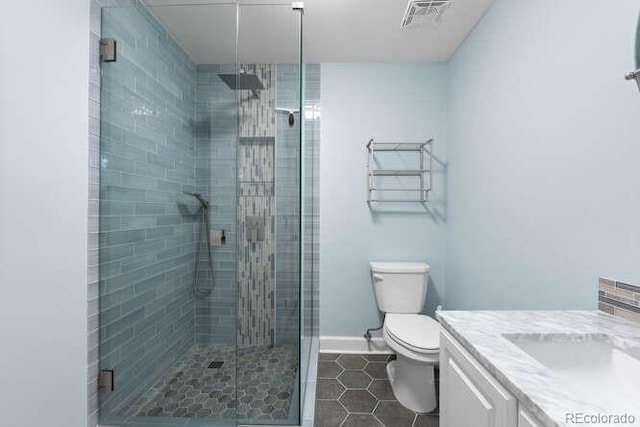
(416,332)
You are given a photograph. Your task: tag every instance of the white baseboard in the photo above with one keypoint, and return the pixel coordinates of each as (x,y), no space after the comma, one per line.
(353,345)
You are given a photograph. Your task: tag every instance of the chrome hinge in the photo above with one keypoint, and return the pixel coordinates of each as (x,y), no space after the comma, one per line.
(105,381)
(107,50)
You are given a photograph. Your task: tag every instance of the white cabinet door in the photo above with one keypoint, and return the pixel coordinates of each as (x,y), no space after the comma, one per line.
(469,395)
(525,419)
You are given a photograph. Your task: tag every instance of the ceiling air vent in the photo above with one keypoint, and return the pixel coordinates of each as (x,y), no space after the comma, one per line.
(419,12)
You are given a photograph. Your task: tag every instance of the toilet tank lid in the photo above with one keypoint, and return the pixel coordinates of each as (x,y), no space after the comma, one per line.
(399,267)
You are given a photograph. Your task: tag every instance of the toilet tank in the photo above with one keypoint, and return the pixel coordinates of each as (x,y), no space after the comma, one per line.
(400,287)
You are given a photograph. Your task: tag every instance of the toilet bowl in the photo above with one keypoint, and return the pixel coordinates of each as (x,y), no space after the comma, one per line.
(414,338)
(400,289)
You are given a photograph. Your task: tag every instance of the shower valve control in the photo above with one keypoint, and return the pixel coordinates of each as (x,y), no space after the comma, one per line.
(255,228)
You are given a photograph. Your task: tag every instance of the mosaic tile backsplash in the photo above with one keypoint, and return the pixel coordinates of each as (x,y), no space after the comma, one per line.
(619,299)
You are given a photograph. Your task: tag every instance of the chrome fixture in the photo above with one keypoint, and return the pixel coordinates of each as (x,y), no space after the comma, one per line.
(414,183)
(243,81)
(203,202)
(107,50)
(632,75)
(292,112)
(203,238)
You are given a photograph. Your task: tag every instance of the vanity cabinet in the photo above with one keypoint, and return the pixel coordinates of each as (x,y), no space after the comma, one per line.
(525,419)
(471,396)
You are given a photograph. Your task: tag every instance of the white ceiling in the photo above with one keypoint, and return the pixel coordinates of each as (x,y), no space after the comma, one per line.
(334,30)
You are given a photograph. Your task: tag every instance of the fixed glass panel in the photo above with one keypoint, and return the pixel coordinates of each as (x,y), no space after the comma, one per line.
(269,214)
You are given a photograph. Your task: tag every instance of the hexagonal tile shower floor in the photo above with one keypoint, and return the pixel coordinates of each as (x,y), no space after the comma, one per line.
(192,389)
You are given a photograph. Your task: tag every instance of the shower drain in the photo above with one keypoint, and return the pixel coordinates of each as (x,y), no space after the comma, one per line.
(215,365)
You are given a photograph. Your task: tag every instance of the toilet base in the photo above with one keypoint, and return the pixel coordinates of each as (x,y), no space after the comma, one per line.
(413,383)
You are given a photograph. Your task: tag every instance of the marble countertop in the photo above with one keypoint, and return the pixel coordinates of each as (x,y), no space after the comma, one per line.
(541,391)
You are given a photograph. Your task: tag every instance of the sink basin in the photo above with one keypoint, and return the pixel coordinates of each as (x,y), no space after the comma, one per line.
(596,367)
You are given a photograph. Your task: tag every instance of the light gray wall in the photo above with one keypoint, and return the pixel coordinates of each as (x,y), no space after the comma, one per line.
(387,102)
(43,212)
(544,149)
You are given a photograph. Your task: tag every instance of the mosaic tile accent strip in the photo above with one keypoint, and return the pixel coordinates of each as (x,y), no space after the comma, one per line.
(258,115)
(619,299)
(353,391)
(191,389)
(255,212)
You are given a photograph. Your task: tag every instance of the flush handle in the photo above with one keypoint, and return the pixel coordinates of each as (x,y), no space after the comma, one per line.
(632,75)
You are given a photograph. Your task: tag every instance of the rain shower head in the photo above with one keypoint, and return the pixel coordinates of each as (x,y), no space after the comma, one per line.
(198,196)
(243,81)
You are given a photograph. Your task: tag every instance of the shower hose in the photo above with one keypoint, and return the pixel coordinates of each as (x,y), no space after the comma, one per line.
(204,238)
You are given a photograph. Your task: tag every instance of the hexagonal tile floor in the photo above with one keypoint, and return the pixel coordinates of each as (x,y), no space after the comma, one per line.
(353,391)
(195,388)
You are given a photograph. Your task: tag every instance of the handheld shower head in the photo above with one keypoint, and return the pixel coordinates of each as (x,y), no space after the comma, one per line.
(198,196)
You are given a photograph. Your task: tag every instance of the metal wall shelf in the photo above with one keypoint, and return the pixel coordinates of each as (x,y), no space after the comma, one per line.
(413,183)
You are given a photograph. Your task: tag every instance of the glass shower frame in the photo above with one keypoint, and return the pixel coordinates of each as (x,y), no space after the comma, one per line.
(108,190)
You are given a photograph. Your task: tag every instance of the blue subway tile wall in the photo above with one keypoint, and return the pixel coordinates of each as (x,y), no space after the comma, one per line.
(311,200)
(147,224)
(288,157)
(288,206)
(216,170)
(310,221)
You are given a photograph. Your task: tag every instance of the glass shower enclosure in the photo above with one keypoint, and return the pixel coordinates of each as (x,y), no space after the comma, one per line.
(200,214)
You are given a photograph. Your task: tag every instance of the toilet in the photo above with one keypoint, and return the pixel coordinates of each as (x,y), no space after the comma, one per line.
(401,289)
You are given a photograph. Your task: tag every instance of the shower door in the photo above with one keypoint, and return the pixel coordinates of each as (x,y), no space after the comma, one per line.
(268,215)
(200,214)
(165,354)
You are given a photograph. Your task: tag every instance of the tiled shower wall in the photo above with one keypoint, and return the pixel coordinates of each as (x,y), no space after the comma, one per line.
(216,177)
(146,222)
(216,139)
(311,194)
(287,229)
(256,210)
(288,206)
